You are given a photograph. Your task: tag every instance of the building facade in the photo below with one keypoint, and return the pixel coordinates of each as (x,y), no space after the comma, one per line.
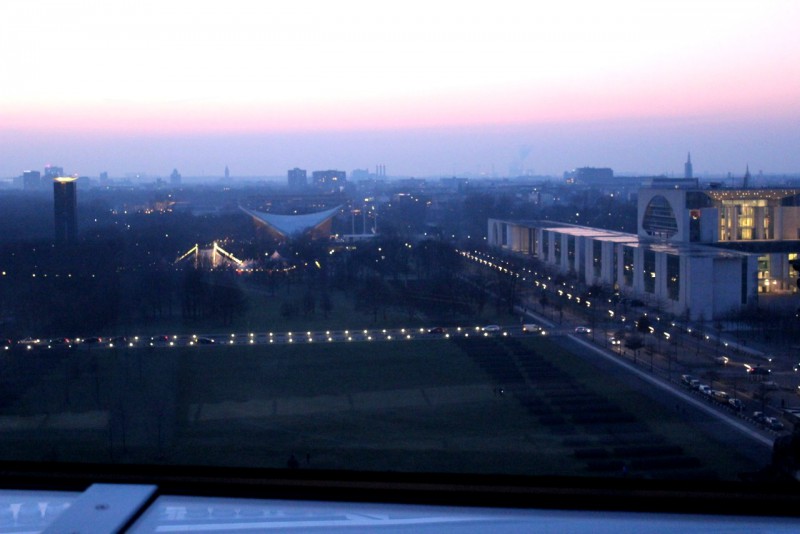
(329,180)
(701,253)
(297,178)
(66,210)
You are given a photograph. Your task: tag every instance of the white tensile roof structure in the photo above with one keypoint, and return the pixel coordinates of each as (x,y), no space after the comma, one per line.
(293,225)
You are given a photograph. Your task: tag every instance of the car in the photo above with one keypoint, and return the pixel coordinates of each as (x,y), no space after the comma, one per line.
(759,417)
(531,328)
(705,389)
(59,342)
(736,404)
(92,340)
(491,328)
(722,360)
(757,370)
(583,330)
(720,396)
(773,423)
(770,384)
(437,330)
(695,383)
(696,334)
(687,379)
(205,341)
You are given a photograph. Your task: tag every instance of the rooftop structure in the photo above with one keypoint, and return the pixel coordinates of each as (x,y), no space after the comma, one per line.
(289,226)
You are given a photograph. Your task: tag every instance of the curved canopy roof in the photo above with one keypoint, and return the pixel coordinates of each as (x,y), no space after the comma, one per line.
(292,225)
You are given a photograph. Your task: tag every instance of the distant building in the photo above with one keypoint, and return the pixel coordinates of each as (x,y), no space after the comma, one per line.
(51,172)
(227,173)
(175,178)
(329,180)
(360,174)
(591,175)
(104,178)
(31,180)
(297,178)
(65,210)
(687,167)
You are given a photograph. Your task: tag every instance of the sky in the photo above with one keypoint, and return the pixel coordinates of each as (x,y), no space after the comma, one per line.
(425,88)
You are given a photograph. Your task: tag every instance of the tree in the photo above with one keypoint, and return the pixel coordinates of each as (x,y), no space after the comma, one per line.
(635,344)
(643,324)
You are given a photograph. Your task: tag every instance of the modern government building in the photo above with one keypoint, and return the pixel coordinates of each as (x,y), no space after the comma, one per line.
(704,253)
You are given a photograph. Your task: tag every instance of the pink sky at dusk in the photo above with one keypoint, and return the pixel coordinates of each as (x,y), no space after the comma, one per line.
(167,71)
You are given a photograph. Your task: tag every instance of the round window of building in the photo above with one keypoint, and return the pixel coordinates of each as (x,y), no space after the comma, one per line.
(659,219)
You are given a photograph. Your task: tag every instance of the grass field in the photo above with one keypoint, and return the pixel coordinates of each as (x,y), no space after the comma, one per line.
(497,405)
(263,313)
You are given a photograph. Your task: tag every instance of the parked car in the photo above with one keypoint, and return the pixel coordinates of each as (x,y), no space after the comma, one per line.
(687,379)
(773,423)
(491,328)
(705,389)
(720,396)
(583,330)
(759,417)
(736,404)
(695,384)
(205,341)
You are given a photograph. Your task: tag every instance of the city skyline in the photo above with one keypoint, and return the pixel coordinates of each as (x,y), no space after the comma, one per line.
(424,90)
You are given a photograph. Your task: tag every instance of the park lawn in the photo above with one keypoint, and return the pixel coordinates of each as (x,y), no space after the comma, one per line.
(385,406)
(486,433)
(263,314)
(662,420)
(308,370)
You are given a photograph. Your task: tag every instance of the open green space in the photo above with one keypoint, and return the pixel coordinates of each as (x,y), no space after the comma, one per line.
(482,405)
(282,310)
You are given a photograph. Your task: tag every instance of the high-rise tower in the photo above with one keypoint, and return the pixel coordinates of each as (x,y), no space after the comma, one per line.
(65,209)
(687,167)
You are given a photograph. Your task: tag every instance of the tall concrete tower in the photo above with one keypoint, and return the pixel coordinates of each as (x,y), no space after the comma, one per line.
(65,209)
(687,167)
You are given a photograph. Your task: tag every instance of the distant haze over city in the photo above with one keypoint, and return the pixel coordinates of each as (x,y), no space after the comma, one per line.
(424,89)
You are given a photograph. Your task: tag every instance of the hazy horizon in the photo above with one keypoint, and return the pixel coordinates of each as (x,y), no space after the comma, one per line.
(423,89)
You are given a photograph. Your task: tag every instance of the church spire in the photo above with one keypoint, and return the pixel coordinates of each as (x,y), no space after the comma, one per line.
(687,167)
(746,181)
